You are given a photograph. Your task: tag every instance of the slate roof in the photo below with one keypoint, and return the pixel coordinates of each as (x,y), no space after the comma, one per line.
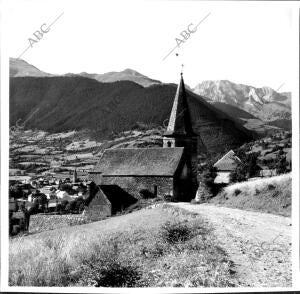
(139,162)
(180,119)
(228,162)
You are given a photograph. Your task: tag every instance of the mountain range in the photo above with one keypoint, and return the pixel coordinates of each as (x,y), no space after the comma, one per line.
(20,68)
(118,101)
(263,103)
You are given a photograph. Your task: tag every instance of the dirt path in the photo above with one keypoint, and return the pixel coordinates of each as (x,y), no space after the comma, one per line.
(259,244)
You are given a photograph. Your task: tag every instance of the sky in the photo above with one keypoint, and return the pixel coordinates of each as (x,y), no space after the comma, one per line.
(250,43)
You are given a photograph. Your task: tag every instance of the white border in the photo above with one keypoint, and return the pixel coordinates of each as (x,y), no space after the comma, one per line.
(4,184)
(295,153)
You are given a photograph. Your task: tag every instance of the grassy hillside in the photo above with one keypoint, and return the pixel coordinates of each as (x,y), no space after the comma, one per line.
(285,124)
(158,247)
(271,195)
(233,110)
(59,104)
(253,123)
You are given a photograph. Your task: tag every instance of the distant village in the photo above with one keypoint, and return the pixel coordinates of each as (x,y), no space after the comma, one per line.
(66,174)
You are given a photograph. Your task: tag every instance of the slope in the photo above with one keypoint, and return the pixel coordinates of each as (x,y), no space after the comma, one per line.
(65,103)
(21,68)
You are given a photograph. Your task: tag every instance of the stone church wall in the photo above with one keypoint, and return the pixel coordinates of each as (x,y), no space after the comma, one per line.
(45,222)
(133,185)
(99,208)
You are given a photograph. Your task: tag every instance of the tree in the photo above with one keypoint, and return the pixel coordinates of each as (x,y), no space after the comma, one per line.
(247,168)
(239,174)
(282,165)
(73,204)
(16,192)
(208,176)
(251,164)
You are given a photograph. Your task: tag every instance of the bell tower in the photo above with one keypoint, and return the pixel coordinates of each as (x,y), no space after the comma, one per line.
(180,134)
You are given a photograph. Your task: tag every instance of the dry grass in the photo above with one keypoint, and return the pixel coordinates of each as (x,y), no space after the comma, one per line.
(271,195)
(158,247)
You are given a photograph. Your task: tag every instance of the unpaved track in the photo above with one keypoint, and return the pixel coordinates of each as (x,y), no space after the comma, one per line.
(259,244)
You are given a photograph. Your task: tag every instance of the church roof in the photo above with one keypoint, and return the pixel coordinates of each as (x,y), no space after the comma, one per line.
(180,119)
(139,162)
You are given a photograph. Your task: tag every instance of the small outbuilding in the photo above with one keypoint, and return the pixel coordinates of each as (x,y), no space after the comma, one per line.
(225,166)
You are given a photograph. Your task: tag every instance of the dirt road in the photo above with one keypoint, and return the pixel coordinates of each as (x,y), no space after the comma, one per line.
(259,244)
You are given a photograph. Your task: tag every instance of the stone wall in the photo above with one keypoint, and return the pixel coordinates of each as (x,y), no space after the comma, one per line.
(133,185)
(45,222)
(99,207)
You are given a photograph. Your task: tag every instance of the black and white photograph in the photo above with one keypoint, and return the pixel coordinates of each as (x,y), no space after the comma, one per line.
(149,146)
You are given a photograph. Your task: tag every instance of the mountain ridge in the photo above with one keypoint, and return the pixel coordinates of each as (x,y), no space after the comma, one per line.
(264,103)
(131,82)
(21,68)
(62,103)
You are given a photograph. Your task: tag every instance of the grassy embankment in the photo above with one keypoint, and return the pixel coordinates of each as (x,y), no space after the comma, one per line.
(271,195)
(158,247)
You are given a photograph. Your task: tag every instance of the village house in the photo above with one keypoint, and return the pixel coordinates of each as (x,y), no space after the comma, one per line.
(225,166)
(265,171)
(126,175)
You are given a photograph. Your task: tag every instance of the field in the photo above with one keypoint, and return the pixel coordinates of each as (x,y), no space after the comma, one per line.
(271,195)
(160,246)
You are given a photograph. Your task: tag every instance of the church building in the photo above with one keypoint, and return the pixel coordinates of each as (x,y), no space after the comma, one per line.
(132,173)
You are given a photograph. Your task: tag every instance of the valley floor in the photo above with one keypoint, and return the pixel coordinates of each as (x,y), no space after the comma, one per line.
(258,243)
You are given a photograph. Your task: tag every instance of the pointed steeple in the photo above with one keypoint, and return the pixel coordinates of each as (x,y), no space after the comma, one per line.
(180,119)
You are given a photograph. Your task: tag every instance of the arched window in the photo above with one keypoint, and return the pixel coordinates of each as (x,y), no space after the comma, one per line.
(169,144)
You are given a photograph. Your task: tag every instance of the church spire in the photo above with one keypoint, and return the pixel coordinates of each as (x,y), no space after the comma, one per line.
(180,118)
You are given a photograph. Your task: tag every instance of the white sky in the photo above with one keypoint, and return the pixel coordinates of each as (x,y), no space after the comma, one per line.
(249,43)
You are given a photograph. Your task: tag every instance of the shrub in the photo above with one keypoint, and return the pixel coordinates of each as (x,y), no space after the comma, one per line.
(271,187)
(173,233)
(106,268)
(193,201)
(209,176)
(239,174)
(108,273)
(168,198)
(247,168)
(237,192)
(281,164)
(72,205)
(146,194)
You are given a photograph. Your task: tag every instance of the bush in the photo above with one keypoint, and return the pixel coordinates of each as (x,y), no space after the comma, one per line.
(168,198)
(271,187)
(239,174)
(237,192)
(173,233)
(208,176)
(193,201)
(247,168)
(106,268)
(108,274)
(146,194)
(282,166)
